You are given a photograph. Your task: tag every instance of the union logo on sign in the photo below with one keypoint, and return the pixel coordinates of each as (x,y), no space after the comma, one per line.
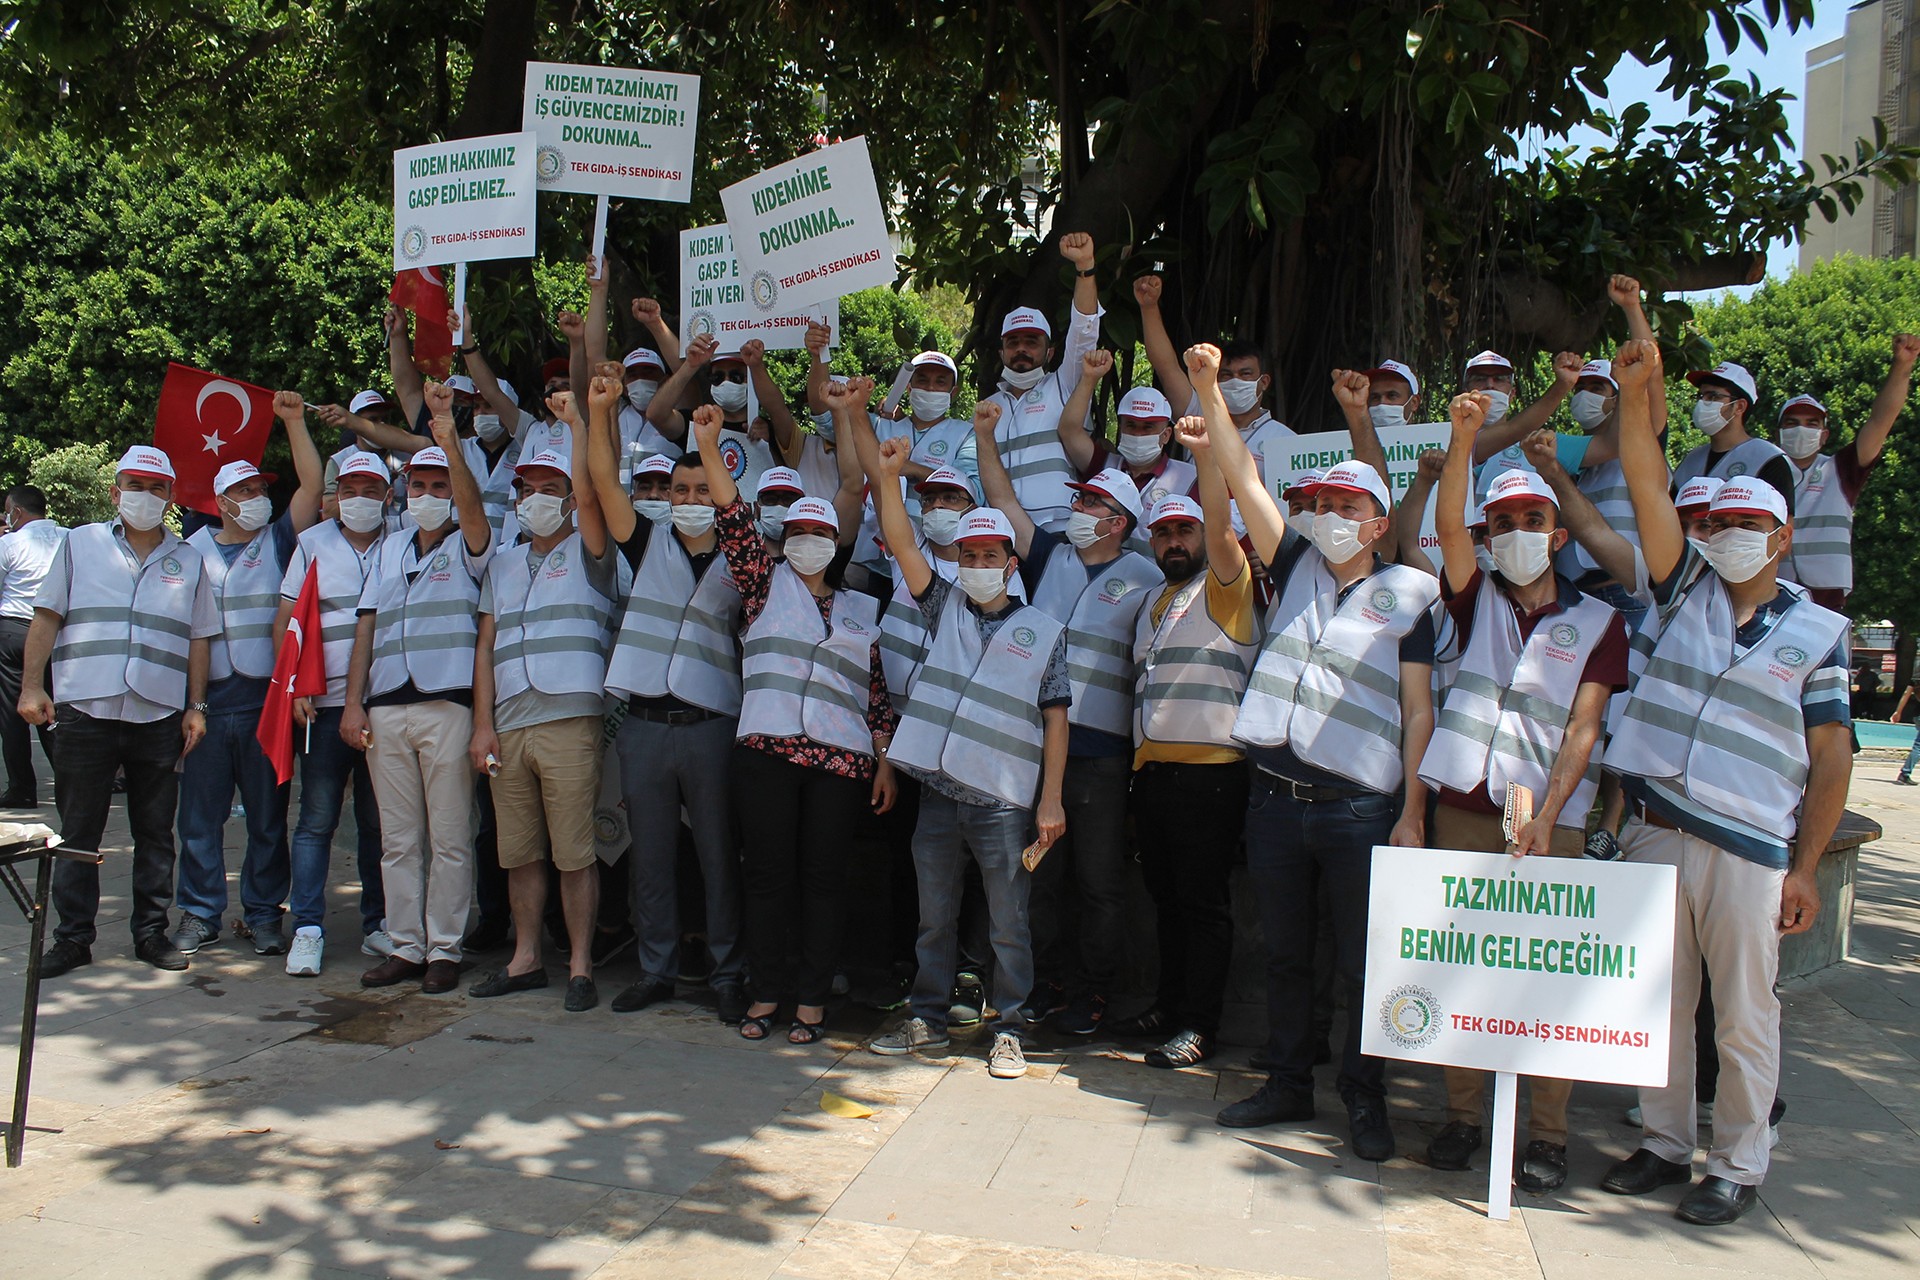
(413,243)
(549,163)
(765,291)
(734,454)
(1410,1016)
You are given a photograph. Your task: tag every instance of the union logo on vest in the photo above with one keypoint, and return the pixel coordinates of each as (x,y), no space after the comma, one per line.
(1024,637)
(1565,634)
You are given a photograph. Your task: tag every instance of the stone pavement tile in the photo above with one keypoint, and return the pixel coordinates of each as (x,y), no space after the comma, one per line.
(968,1086)
(198,1213)
(50,1249)
(1432,1237)
(868,1075)
(686,1244)
(1060,1222)
(943,1257)
(1556,1265)
(1066,1156)
(96,1081)
(836,1250)
(641,1151)
(1582,1219)
(617,1219)
(410,1249)
(494,1197)
(939,1146)
(1880,1150)
(1181,1235)
(1849,1215)
(1115,1074)
(58,1166)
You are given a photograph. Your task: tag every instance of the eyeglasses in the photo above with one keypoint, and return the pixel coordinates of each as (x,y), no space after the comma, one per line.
(727,375)
(1094,503)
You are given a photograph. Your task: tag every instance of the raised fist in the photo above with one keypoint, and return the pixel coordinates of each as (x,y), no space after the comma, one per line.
(563,406)
(1542,448)
(894,453)
(753,353)
(1077,247)
(1468,410)
(1566,368)
(818,336)
(1096,364)
(604,393)
(1906,349)
(1635,363)
(986,416)
(646,311)
(701,349)
(1431,463)
(1146,291)
(1350,389)
(571,325)
(439,397)
(707,421)
(287,405)
(1203,363)
(1624,291)
(1192,432)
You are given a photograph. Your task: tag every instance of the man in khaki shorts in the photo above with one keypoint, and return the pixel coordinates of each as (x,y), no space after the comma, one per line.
(547,609)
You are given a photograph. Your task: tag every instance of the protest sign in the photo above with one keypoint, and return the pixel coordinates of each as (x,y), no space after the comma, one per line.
(713,299)
(465,200)
(810,230)
(612,131)
(1284,460)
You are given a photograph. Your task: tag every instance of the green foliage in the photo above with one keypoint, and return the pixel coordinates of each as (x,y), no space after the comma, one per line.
(1828,332)
(76,479)
(879,331)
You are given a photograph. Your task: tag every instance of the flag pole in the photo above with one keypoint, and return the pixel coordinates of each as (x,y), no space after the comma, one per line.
(600,207)
(460,302)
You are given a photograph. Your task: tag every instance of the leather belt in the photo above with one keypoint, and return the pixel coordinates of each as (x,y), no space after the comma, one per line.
(1313,793)
(661,715)
(1655,819)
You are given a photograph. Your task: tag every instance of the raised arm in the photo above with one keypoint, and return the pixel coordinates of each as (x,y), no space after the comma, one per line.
(848,400)
(304,507)
(596,321)
(1467,411)
(380,435)
(1516,427)
(1624,292)
(1235,464)
(663,411)
(1074,436)
(1891,400)
(1582,520)
(1412,512)
(1224,553)
(1167,370)
(400,366)
(573,327)
(892,510)
(665,340)
(603,467)
(1662,538)
(1083,325)
(707,422)
(773,402)
(1350,390)
(474,529)
(587,520)
(995,484)
(819,368)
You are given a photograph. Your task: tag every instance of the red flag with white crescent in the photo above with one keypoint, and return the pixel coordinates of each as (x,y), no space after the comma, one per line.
(299,671)
(203,422)
(423,291)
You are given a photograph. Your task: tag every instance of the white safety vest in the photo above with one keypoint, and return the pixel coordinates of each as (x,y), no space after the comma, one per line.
(1189,674)
(426,615)
(804,678)
(1308,578)
(1028,436)
(127,625)
(1328,685)
(904,635)
(1263,431)
(248,594)
(1174,480)
(677,636)
(1744,459)
(1605,485)
(946,443)
(1100,606)
(975,713)
(1726,728)
(1504,716)
(1822,551)
(495,481)
(343,576)
(550,631)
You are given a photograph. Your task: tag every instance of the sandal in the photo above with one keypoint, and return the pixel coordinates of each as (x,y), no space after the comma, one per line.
(756,1028)
(805,1032)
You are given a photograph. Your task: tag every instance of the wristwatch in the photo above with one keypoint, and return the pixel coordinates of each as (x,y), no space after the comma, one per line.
(201,707)
(1089,271)
(467,351)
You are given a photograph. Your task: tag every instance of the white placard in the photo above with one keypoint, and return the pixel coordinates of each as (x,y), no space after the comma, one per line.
(713,299)
(1556,967)
(612,131)
(810,229)
(1286,459)
(467,200)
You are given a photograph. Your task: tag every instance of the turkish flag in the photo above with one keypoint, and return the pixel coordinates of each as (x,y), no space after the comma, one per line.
(422,291)
(299,671)
(204,422)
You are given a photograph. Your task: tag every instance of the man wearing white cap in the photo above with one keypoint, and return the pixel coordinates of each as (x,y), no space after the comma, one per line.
(246,555)
(1726,398)
(652,490)
(1088,581)
(1735,749)
(985,732)
(1139,450)
(341,551)
(539,678)
(126,613)
(409,707)
(1336,717)
(1032,400)
(1826,486)
(1520,722)
(780,488)
(711,376)
(1244,378)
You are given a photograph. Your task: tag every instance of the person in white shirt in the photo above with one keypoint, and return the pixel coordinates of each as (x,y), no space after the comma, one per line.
(1244,379)
(26,552)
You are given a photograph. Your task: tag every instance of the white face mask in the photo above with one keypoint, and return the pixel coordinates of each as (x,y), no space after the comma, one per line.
(823,425)
(1083,528)
(1483,558)
(1241,394)
(253,513)
(809,552)
(1337,537)
(931,406)
(1139,450)
(1301,522)
(141,511)
(1498,402)
(487,426)
(1521,555)
(1711,418)
(1024,381)
(653,509)
(730,396)
(1385,416)
(1698,544)
(429,512)
(940,525)
(773,521)
(693,519)
(640,393)
(1589,409)
(982,585)
(1738,555)
(541,514)
(362,515)
(1800,442)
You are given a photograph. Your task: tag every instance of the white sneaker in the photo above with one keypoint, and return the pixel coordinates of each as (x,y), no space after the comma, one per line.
(303,957)
(378,943)
(1006,1060)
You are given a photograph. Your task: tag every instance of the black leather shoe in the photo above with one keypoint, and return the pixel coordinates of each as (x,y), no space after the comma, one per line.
(19,800)
(730,1001)
(1372,1135)
(64,957)
(1151,1022)
(1642,1172)
(1541,1168)
(502,983)
(640,995)
(157,949)
(1186,1049)
(1273,1104)
(582,995)
(1716,1202)
(1453,1147)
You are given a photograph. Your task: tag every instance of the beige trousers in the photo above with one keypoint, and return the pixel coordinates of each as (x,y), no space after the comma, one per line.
(424,783)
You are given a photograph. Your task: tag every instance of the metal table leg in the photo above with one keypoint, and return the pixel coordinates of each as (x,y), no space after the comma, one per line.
(29,1012)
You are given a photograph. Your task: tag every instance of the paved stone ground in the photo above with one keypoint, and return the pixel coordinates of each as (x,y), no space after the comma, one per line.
(234,1122)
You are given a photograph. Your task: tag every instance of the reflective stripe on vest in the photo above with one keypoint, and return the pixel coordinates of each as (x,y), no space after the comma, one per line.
(1028,435)
(425,615)
(551,631)
(1744,459)
(975,715)
(1822,551)
(496,480)
(1328,685)
(1606,487)
(248,594)
(127,625)
(343,576)
(677,635)
(1504,716)
(801,677)
(1100,606)
(1189,674)
(1729,729)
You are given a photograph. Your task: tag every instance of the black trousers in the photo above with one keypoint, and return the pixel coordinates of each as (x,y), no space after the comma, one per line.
(1188,819)
(16,744)
(87,753)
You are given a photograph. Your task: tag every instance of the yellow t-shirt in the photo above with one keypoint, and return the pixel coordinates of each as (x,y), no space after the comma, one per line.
(1231,606)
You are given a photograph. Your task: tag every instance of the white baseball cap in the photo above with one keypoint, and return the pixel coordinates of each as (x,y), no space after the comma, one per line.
(1025,318)
(362,463)
(1697,492)
(1602,369)
(984,524)
(431,456)
(1398,370)
(145,460)
(940,358)
(1515,485)
(1803,401)
(812,511)
(1145,403)
(1302,484)
(1734,375)
(1358,477)
(1749,497)
(506,389)
(1117,487)
(462,383)
(546,458)
(778,480)
(643,356)
(654,464)
(1174,507)
(231,474)
(1476,513)
(946,478)
(366,399)
(1487,360)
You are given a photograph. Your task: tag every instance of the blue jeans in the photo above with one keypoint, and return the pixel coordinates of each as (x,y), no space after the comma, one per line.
(1632,608)
(1913,756)
(324,772)
(230,757)
(1294,848)
(947,831)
